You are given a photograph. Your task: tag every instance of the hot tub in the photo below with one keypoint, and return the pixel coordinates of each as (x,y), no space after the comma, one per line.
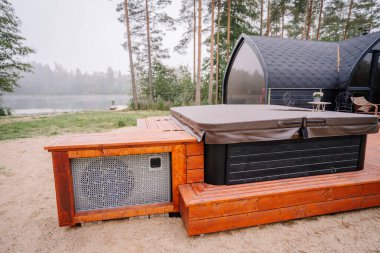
(250,143)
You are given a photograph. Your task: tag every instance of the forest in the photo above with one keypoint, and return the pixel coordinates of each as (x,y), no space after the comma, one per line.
(45,80)
(215,25)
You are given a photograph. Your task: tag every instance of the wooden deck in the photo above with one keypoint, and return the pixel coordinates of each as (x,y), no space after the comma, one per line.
(207,208)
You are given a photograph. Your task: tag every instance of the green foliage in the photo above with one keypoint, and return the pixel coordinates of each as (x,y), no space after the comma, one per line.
(28,126)
(12,48)
(171,87)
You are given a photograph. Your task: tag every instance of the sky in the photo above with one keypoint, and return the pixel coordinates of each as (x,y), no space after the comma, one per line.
(83,34)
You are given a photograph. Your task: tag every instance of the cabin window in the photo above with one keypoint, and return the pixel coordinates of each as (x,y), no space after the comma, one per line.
(362,75)
(246,81)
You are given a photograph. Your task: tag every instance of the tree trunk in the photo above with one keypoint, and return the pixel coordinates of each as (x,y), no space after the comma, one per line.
(348,19)
(282,22)
(268,20)
(211,84)
(261,16)
(305,21)
(217,57)
(319,20)
(194,35)
(309,19)
(228,28)
(198,85)
(131,66)
(150,75)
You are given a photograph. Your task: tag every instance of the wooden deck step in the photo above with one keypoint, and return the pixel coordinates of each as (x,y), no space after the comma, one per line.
(209,208)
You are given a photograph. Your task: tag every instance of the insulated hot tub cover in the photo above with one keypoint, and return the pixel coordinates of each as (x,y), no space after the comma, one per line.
(227,124)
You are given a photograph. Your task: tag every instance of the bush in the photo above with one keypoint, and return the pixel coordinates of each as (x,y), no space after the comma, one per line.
(5,111)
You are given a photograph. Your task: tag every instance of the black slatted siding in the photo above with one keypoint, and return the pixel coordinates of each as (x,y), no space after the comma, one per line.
(261,161)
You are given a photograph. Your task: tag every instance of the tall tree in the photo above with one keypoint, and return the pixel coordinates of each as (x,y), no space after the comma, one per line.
(348,19)
(319,19)
(334,20)
(228,29)
(148,41)
(365,15)
(194,39)
(268,19)
(198,84)
(12,49)
(217,55)
(309,15)
(188,17)
(261,16)
(211,84)
(131,65)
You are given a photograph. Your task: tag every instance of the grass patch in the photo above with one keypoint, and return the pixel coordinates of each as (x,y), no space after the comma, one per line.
(14,127)
(5,172)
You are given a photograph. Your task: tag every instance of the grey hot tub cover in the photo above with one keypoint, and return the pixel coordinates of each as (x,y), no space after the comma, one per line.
(226,124)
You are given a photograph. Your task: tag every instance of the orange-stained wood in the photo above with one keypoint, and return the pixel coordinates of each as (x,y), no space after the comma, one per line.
(120,140)
(195,176)
(123,212)
(119,151)
(212,208)
(195,149)
(178,172)
(195,162)
(63,188)
(281,214)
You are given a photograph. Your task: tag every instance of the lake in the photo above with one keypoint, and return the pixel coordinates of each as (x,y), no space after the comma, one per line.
(36,104)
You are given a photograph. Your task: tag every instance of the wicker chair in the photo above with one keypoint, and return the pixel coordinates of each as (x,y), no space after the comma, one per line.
(288,99)
(343,102)
(361,105)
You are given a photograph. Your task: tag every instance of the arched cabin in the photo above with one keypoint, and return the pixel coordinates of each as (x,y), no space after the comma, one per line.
(262,69)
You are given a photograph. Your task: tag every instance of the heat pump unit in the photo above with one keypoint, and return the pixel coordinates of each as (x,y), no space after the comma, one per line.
(119,181)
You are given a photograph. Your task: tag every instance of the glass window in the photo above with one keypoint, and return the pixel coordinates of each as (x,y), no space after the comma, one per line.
(246,81)
(376,84)
(361,76)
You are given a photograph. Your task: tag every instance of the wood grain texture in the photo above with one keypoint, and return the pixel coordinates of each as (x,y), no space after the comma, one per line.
(195,162)
(63,188)
(123,212)
(178,172)
(195,176)
(195,149)
(119,151)
(119,140)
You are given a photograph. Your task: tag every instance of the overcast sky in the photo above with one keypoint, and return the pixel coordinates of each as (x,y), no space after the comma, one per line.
(82,34)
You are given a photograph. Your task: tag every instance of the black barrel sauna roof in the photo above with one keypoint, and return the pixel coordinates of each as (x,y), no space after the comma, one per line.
(293,63)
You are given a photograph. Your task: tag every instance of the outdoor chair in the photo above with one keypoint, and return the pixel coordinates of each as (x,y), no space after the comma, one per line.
(343,102)
(288,99)
(361,105)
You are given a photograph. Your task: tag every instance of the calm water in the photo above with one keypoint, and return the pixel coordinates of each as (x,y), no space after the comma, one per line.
(34,104)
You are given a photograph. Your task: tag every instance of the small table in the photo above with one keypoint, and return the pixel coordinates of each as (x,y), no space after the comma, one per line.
(319,106)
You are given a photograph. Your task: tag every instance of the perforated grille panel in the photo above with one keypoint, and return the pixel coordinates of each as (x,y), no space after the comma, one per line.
(109,182)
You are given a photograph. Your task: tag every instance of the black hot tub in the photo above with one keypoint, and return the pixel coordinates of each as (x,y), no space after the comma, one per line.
(250,143)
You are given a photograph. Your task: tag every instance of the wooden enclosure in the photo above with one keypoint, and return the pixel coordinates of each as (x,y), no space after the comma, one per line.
(209,208)
(182,146)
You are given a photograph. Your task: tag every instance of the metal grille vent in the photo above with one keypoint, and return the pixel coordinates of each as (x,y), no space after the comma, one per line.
(115,181)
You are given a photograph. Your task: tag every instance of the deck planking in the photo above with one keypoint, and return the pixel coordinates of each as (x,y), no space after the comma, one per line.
(210,208)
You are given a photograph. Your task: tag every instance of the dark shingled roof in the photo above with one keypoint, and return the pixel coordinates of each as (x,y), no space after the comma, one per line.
(293,63)
(298,63)
(352,51)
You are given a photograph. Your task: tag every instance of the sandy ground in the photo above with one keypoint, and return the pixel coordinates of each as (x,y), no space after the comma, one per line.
(28,221)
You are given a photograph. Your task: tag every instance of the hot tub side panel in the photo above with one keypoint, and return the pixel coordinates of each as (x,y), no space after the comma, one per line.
(263,161)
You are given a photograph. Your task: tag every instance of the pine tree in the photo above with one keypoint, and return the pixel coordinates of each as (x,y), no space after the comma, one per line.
(131,65)
(334,20)
(198,84)
(12,49)
(211,84)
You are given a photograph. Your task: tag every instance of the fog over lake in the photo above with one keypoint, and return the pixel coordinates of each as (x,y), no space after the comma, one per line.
(35,104)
